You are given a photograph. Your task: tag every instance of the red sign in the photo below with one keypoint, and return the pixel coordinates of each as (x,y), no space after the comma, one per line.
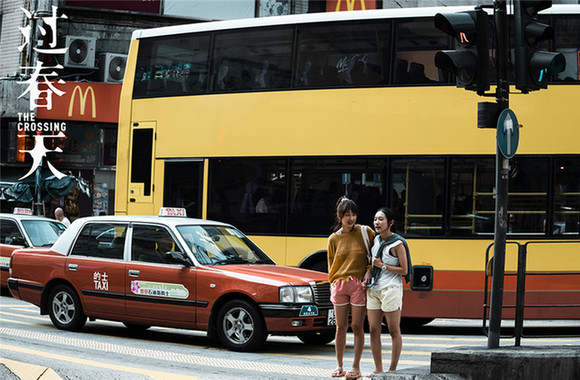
(148,6)
(350,5)
(83,101)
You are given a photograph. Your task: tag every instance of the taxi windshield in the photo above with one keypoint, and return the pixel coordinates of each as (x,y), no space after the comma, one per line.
(43,233)
(220,245)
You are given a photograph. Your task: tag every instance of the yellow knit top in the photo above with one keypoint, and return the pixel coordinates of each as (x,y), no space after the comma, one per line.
(347,254)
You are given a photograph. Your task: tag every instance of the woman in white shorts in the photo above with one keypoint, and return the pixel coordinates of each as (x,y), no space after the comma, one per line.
(385,297)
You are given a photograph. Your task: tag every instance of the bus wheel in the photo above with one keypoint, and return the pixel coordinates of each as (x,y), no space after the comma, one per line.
(318,338)
(413,323)
(66,311)
(240,326)
(319,266)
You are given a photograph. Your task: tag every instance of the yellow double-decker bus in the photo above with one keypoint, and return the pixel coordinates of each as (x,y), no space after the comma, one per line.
(265,123)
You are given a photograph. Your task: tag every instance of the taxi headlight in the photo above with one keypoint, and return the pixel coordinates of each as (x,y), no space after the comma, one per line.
(296,294)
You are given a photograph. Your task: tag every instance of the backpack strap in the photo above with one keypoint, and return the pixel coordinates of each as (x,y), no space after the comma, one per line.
(365,235)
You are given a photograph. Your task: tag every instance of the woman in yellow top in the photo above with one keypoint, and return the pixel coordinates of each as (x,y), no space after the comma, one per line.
(349,272)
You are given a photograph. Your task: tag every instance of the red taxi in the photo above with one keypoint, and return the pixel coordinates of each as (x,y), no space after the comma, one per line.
(175,272)
(22,229)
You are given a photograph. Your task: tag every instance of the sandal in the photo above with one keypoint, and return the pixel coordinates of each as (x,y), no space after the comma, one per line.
(338,372)
(353,374)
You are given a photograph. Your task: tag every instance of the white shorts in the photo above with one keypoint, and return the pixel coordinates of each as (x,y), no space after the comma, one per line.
(387,299)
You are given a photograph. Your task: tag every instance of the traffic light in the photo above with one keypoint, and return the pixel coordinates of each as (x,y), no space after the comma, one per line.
(534,66)
(470,61)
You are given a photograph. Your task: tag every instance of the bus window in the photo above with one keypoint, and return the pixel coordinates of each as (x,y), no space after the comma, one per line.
(252,59)
(528,193)
(472,199)
(419,184)
(182,186)
(344,54)
(318,183)
(249,193)
(566,216)
(172,66)
(417,41)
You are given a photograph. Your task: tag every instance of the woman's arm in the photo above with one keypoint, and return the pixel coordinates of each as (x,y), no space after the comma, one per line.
(399,252)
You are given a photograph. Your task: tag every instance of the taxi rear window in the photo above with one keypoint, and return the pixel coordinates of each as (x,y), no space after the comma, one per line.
(104,240)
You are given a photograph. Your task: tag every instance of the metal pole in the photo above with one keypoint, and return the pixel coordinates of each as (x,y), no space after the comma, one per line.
(520,292)
(501,180)
(37,176)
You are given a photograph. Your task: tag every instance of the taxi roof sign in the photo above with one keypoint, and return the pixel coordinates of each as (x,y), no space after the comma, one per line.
(172,211)
(22,211)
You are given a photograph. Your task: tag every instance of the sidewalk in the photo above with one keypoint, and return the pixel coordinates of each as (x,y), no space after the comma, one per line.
(13,370)
(504,363)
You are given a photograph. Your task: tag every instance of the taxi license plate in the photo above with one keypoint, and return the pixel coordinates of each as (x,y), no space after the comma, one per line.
(331,320)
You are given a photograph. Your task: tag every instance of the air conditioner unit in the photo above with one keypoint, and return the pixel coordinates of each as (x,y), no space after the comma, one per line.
(112,67)
(80,53)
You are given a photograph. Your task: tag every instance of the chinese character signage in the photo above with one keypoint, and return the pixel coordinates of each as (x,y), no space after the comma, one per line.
(41,97)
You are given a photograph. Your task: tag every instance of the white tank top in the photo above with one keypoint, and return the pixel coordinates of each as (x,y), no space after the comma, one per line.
(387,278)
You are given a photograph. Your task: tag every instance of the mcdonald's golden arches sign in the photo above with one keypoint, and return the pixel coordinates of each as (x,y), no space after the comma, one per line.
(350,5)
(84,101)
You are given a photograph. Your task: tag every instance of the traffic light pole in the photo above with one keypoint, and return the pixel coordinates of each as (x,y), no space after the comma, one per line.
(501,180)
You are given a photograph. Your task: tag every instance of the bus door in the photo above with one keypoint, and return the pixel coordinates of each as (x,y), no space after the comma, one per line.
(142,156)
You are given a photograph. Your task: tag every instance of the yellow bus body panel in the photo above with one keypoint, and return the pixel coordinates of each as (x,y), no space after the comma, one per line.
(381,121)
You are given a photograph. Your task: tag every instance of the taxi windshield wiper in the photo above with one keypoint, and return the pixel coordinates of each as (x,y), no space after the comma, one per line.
(231,260)
(263,261)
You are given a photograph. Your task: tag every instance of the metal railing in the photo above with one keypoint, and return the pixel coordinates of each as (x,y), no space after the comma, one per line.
(521,286)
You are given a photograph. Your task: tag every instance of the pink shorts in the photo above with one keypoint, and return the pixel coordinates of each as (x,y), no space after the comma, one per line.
(348,292)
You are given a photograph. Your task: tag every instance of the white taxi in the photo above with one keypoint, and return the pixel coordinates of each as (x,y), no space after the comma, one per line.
(22,229)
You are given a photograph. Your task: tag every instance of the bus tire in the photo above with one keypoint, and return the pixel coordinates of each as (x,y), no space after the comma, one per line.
(317,338)
(413,323)
(65,309)
(319,266)
(317,261)
(240,326)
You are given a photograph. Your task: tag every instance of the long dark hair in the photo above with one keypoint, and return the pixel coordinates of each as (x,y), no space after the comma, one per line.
(343,205)
(390,216)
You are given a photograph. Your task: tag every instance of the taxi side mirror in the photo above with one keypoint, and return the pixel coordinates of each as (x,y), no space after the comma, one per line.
(176,257)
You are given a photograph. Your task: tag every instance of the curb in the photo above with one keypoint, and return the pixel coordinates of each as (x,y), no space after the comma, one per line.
(24,371)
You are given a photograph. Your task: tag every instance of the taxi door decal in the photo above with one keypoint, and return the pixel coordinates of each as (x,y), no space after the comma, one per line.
(159,289)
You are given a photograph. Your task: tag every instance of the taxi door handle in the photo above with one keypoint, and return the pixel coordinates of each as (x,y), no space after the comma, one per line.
(134,273)
(73,267)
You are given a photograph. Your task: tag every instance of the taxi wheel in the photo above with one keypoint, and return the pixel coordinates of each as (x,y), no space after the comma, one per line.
(317,337)
(65,309)
(240,326)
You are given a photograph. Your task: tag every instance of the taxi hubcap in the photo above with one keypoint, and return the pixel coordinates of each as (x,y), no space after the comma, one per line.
(63,307)
(238,325)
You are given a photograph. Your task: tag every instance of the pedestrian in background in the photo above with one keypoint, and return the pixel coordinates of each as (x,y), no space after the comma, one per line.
(59,215)
(349,273)
(385,297)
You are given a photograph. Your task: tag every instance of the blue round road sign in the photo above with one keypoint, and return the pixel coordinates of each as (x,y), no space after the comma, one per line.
(508,133)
